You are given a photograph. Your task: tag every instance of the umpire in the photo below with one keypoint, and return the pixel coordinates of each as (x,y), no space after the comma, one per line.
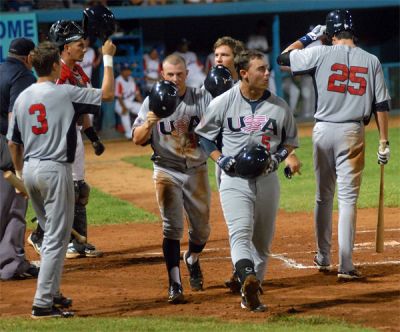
(15,76)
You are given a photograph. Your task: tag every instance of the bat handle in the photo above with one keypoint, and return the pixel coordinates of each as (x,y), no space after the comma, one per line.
(80,238)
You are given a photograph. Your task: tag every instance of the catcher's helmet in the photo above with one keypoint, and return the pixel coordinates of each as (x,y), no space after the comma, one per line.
(337,21)
(65,32)
(163,98)
(252,161)
(98,21)
(218,80)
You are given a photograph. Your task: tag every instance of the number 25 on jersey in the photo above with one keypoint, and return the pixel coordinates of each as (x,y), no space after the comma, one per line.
(40,111)
(342,73)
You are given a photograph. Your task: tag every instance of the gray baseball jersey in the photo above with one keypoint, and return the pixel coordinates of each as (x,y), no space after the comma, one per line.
(348,80)
(271,125)
(37,116)
(173,139)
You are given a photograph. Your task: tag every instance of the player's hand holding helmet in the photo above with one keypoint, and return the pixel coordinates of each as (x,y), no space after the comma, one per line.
(252,161)
(317,32)
(218,80)
(227,164)
(163,98)
(108,48)
(383,152)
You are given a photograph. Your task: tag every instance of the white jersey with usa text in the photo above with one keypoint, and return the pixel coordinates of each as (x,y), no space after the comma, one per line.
(271,125)
(173,139)
(348,80)
(44,119)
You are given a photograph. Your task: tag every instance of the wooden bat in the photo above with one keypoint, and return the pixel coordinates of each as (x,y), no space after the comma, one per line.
(15,182)
(380,226)
(18,184)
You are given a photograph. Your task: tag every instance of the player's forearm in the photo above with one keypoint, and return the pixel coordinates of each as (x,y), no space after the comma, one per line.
(17,155)
(382,120)
(142,134)
(107,86)
(297,45)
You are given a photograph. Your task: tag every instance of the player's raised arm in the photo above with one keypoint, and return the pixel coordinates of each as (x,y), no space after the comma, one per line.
(107,86)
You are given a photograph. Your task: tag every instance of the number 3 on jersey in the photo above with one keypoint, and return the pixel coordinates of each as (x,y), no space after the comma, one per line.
(343,74)
(40,111)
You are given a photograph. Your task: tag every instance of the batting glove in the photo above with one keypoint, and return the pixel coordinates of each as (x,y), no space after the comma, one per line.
(317,32)
(383,152)
(227,164)
(273,165)
(98,147)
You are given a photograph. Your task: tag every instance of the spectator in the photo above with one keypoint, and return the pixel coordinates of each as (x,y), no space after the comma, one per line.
(152,68)
(126,94)
(196,75)
(15,76)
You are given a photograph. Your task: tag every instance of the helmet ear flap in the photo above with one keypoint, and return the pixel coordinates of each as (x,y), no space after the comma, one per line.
(163,98)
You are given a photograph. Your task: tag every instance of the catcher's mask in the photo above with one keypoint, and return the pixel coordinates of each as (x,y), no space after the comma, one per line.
(65,32)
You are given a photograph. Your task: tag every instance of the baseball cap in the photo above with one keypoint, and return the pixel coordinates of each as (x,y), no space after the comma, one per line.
(125,66)
(21,46)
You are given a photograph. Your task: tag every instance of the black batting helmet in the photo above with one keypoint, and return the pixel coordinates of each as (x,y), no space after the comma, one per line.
(252,161)
(65,32)
(98,21)
(163,98)
(337,21)
(218,80)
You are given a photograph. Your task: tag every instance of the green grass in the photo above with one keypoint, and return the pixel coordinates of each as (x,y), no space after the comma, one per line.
(298,193)
(105,209)
(277,324)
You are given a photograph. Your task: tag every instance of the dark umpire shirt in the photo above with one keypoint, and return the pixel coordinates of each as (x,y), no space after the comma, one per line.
(14,78)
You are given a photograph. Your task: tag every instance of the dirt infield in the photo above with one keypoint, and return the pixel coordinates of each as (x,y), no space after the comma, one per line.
(130,280)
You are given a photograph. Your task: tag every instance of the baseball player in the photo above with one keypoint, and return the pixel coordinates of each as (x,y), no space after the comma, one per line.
(126,94)
(15,76)
(349,85)
(225,50)
(42,141)
(68,36)
(248,114)
(180,175)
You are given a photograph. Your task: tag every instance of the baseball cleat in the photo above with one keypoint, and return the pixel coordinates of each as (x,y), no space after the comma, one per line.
(233,284)
(175,294)
(31,273)
(250,294)
(53,312)
(351,275)
(92,252)
(196,276)
(72,252)
(61,301)
(321,267)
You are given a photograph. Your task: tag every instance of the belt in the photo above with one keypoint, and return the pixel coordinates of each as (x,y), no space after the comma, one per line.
(27,159)
(348,121)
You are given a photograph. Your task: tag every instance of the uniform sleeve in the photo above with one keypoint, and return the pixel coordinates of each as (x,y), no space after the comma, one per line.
(18,86)
(118,89)
(85,100)
(13,133)
(212,121)
(304,60)
(142,116)
(290,128)
(381,91)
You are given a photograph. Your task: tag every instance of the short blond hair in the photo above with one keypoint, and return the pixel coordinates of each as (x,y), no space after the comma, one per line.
(174,59)
(235,45)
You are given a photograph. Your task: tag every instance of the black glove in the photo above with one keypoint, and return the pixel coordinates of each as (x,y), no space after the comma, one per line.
(98,148)
(227,164)
(97,145)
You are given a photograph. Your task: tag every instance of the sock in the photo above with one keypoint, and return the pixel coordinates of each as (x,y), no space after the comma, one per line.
(194,252)
(244,268)
(171,250)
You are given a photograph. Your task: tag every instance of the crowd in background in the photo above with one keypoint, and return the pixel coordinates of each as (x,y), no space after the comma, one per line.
(27,5)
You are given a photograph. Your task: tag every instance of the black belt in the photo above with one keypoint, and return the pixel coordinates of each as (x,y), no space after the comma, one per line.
(348,121)
(27,158)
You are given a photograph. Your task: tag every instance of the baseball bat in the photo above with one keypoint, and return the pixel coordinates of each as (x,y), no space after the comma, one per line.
(380,226)
(15,182)
(80,238)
